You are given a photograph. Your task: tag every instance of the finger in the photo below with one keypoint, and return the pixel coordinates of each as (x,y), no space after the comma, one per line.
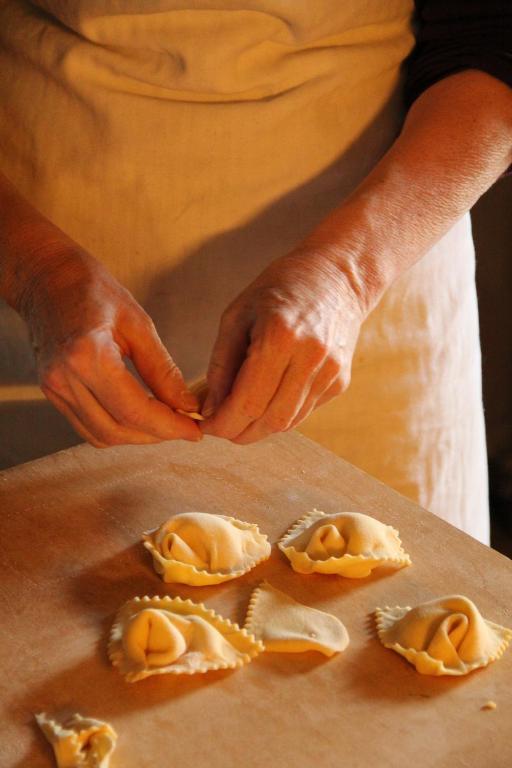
(316,400)
(334,391)
(102,370)
(255,385)
(227,356)
(127,402)
(199,388)
(100,423)
(288,400)
(61,405)
(90,420)
(155,365)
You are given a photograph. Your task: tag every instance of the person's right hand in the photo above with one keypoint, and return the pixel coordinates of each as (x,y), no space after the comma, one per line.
(83,325)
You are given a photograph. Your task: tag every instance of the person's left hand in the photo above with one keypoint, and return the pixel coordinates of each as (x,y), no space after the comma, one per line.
(284,347)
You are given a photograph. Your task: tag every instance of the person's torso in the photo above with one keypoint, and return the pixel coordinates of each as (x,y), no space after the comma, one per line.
(187,144)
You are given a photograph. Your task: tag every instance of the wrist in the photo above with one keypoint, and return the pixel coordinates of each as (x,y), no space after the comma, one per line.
(36,257)
(37,263)
(455,142)
(354,239)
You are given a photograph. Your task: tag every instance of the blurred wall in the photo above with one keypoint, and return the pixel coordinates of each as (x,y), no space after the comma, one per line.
(492,230)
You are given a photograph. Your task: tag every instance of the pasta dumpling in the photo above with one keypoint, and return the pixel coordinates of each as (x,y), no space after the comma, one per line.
(160,635)
(79,742)
(198,548)
(286,626)
(346,543)
(447,636)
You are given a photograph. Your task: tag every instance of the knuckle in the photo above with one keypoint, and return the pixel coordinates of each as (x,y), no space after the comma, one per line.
(110,438)
(145,320)
(229,316)
(52,378)
(281,328)
(243,440)
(144,325)
(97,443)
(277,422)
(340,385)
(78,354)
(317,350)
(215,367)
(251,409)
(333,368)
(219,432)
(225,433)
(167,373)
(131,417)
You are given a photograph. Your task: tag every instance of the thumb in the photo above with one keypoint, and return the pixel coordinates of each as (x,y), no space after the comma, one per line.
(227,356)
(157,368)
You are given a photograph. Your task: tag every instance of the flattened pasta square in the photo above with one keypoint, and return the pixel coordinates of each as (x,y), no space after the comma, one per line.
(286,626)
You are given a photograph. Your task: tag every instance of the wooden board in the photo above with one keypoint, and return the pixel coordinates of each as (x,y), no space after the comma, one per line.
(71,555)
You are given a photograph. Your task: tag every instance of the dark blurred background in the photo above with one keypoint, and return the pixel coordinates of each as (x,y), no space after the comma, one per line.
(492,230)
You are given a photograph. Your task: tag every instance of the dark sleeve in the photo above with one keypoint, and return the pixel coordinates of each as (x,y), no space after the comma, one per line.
(453,35)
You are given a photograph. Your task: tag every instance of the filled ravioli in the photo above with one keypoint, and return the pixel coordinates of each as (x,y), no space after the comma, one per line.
(348,544)
(446,636)
(164,635)
(286,626)
(79,742)
(199,548)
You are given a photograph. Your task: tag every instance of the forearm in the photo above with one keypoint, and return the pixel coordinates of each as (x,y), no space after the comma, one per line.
(456,141)
(83,324)
(30,247)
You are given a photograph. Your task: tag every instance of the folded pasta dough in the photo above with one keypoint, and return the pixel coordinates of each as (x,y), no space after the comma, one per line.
(446,636)
(198,548)
(348,544)
(286,626)
(79,742)
(164,635)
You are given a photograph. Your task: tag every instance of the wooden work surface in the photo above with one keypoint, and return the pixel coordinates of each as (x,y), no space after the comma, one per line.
(71,555)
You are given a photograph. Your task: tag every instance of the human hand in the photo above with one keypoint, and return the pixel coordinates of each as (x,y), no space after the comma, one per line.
(284,347)
(83,325)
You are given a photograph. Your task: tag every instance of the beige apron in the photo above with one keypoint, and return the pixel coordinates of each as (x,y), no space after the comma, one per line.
(186,145)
